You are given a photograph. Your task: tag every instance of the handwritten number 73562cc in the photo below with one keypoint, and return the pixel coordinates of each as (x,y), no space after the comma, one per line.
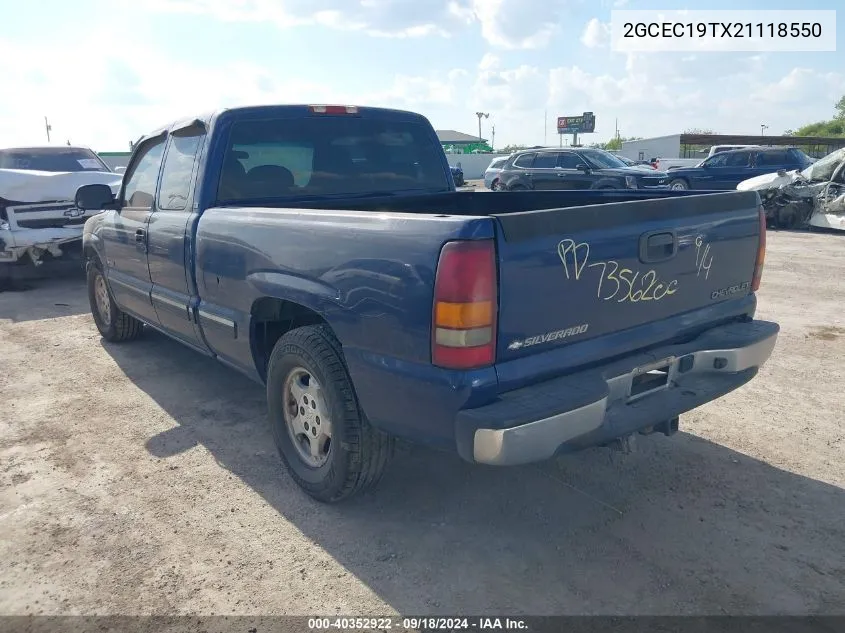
(615,281)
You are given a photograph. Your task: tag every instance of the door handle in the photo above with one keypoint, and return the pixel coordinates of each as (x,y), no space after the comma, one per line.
(657,246)
(140,236)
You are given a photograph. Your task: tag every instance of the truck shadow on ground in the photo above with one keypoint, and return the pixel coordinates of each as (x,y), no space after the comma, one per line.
(63,294)
(681,526)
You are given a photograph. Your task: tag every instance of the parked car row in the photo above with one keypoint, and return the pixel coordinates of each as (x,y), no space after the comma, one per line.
(542,169)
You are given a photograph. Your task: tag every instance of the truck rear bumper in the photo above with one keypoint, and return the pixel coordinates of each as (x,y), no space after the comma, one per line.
(595,406)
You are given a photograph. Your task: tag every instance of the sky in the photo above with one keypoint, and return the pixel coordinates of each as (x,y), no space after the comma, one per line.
(105,72)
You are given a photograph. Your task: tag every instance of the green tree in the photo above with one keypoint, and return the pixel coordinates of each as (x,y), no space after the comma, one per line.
(699,130)
(840,108)
(833,127)
(615,144)
(508,149)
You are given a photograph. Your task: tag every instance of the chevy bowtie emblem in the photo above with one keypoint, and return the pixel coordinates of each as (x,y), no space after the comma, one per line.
(73,213)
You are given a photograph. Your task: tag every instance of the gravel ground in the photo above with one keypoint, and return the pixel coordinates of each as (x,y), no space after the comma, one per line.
(142,479)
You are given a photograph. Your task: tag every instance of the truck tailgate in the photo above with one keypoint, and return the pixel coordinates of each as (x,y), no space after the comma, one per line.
(567,275)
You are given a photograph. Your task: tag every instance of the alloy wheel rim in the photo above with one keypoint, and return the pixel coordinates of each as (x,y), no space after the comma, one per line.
(307,417)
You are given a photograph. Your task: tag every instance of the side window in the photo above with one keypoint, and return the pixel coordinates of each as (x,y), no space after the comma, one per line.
(568,160)
(717,160)
(141,180)
(738,159)
(178,171)
(547,160)
(779,157)
(524,161)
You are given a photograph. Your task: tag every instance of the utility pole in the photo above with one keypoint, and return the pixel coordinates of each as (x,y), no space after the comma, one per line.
(486,115)
(545,128)
(617,129)
(493,138)
(48,127)
(763,127)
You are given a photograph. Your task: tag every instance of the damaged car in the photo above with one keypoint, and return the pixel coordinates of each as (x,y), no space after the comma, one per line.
(39,221)
(814,196)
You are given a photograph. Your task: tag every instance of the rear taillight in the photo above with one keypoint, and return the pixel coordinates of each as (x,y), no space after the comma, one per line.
(463,332)
(761,253)
(333,109)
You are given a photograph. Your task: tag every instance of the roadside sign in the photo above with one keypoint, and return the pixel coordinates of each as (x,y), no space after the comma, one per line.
(581,124)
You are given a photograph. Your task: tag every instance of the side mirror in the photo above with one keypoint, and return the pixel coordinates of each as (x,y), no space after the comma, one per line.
(781,172)
(582,167)
(119,170)
(95,198)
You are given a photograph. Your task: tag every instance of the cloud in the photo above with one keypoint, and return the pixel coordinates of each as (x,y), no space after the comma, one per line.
(378,18)
(596,34)
(506,24)
(134,88)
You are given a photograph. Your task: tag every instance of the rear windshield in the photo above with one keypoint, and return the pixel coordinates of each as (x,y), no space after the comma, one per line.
(334,156)
(51,159)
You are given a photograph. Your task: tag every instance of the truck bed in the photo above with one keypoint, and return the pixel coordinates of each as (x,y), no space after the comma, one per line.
(370,270)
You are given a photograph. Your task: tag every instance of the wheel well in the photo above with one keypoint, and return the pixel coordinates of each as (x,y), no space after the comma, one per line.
(89,253)
(271,319)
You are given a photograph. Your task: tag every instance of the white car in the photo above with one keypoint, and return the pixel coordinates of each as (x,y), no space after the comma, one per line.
(814,196)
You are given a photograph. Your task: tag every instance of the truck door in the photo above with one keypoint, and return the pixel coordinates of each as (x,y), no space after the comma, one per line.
(169,240)
(737,168)
(125,238)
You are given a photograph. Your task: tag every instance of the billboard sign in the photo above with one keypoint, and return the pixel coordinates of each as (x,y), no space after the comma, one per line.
(581,124)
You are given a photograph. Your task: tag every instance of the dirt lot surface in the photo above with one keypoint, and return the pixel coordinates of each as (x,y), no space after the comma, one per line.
(142,478)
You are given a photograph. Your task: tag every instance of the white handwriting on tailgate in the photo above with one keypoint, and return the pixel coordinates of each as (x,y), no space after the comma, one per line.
(615,281)
(702,263)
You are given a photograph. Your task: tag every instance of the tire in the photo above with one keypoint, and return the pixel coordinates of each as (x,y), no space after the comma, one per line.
(114,325)
(678,184)
(494,186)
(354,455)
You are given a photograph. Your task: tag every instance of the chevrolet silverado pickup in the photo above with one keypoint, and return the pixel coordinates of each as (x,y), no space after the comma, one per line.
(324,252)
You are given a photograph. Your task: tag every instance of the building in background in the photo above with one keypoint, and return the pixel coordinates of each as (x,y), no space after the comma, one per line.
(696,146)
(454,142)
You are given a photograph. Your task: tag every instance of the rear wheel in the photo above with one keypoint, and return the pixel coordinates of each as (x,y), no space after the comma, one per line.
(330,449)
(495,186)
(679,184)
(114,324)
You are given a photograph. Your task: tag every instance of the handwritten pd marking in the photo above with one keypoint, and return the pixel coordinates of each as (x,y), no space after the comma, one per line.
(580,255)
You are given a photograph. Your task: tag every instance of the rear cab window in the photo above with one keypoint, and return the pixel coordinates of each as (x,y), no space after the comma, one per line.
(334,156)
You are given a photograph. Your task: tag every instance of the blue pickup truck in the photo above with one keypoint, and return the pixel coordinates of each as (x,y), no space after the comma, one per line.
(324,252)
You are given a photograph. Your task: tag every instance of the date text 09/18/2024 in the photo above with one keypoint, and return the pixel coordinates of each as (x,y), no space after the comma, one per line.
(417,624)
